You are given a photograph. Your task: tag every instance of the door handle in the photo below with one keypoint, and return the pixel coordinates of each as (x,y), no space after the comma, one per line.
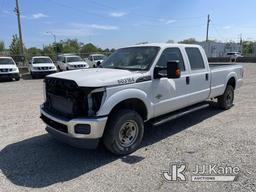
(187,80)
(206,76)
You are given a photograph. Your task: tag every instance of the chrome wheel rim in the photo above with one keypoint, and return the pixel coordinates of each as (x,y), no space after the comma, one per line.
(128,133)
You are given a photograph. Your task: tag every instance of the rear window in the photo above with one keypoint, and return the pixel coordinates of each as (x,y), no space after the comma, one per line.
(195,58)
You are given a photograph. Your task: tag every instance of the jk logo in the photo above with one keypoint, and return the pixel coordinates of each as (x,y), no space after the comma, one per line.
(175,173)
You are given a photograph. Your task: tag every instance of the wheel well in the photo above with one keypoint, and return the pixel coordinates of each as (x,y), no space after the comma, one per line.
(133,104)
(232,82)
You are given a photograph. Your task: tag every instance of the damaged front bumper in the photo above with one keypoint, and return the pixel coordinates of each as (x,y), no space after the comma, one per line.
(78,132)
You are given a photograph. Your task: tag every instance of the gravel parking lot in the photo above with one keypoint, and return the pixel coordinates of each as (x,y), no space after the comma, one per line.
(30,160)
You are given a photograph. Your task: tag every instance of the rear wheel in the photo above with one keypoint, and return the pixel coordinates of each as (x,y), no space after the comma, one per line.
(226,100)
(124,132)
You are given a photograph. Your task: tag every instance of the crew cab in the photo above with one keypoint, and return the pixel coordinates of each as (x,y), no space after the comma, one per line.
(9,69)
(41,66)
(144,83)
(67,62)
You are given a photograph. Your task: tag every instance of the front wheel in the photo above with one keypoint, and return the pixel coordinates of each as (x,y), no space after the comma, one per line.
(124,132)
(226,100)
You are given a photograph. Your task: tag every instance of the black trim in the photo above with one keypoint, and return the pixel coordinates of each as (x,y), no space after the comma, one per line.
(142,79)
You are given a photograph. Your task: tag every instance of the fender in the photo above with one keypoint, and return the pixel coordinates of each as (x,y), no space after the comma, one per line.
(229,76)
(111,101)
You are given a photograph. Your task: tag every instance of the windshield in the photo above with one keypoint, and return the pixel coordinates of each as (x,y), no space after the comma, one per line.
(99,57)
(6,61)
(132,58)
(41,60)
(74,59)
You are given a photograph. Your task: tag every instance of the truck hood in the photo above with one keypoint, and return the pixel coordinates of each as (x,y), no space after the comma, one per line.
(44,65)
(100,77)
(7,66)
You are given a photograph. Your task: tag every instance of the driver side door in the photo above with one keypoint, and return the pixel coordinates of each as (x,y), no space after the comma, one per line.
(170,94)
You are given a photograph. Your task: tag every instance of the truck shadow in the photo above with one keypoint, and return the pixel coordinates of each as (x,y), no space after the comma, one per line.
(41,161)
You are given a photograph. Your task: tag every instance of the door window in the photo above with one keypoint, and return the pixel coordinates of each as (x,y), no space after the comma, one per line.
(195,58)
(170,54)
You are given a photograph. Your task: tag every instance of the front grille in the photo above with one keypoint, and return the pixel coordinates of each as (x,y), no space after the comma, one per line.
(43,68)
(65,98)
(5,70)
(54,124)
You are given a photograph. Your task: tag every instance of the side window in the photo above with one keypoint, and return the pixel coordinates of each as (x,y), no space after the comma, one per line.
(63,60)
(171,54)
(195,58)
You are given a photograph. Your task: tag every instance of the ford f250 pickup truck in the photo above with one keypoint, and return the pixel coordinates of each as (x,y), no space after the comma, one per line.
(136,84)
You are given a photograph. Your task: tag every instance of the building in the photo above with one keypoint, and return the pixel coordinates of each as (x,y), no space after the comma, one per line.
(218,49)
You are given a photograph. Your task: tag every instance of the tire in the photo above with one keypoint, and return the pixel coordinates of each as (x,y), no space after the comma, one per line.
(226,100)
(121,125)
(17,78)
(32,76)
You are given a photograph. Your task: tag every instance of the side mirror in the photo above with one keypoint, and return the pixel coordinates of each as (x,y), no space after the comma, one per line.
(173,70)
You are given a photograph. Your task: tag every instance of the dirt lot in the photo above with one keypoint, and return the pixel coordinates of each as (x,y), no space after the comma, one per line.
(30,160)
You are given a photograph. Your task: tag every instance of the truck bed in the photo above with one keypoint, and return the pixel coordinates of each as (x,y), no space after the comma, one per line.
(221,65)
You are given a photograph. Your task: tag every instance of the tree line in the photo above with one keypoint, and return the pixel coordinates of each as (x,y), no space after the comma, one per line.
(75,46)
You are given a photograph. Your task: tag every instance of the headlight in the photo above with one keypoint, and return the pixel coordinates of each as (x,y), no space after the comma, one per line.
(95,99)
(14,69)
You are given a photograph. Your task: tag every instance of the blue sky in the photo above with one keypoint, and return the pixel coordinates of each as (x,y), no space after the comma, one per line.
(113,23)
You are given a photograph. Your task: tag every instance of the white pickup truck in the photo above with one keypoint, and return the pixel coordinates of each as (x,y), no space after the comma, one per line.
(41,66)
(8,68)
(137,84)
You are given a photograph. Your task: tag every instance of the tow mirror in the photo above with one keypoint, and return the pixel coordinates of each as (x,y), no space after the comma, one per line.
(173,70)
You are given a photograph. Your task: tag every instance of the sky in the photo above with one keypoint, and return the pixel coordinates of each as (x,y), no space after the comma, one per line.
(115,23)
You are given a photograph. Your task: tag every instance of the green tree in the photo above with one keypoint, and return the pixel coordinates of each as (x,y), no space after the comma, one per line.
(88,48)
(33,51)
(189,41)
(248,48)
(2,48)
(15,46)
(70,46)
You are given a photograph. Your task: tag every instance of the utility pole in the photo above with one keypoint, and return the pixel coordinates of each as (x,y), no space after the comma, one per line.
(241,43)
(17,10)
(207,36)
(208,24)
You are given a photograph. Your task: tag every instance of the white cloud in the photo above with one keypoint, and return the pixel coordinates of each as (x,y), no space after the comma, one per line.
(118,14)
(167,21)
(227,27)
(170,21)
(103,27)
(38,16)
(81,30)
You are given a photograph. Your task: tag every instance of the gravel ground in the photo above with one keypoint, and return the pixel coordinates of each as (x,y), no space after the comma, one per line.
(30,160)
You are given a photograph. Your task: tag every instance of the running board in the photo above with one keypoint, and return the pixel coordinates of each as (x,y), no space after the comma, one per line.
(177,114)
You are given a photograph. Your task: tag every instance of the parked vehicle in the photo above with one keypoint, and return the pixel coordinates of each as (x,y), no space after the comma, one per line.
(70,62)
(41,66)
(96,59)
(233,56)
(143,83)
(9,69)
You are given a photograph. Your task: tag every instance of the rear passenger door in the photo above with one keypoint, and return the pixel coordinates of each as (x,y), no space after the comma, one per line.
(199,79)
